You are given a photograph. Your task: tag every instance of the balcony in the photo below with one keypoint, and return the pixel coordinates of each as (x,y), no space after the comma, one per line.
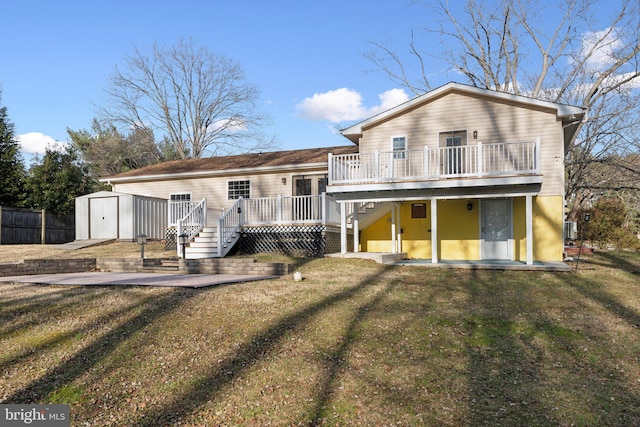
(480,161)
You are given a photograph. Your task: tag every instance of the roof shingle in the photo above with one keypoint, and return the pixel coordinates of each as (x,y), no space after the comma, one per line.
(241,161)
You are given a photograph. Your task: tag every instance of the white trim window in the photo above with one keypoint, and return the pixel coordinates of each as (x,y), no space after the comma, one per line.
(180,197)
(399,146)
(237,189)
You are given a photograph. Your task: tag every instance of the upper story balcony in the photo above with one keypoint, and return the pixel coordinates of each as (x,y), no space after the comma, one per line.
(437,165)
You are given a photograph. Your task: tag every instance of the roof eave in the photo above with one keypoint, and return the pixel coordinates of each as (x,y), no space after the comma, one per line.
(562,111)
(214,173)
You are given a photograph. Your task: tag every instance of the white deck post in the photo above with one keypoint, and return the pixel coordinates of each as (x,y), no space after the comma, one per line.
(356,228)
(343,227)
(399,228)
(434,231)
(279,209)
(529,221)
(393,228)
(479,158)
(538,156)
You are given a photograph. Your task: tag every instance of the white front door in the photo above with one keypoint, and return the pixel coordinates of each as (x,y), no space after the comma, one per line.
(496,229)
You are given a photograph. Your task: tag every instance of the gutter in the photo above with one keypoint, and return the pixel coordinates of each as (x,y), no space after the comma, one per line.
(204,174)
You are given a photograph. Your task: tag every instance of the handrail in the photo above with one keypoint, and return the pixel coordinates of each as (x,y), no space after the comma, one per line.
(434,163)
(229,224)
(192,223)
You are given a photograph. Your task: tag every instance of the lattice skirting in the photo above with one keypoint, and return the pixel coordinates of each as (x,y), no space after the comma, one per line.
(310,241)
(171,239)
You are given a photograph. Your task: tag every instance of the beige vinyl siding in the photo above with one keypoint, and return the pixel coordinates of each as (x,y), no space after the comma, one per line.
(214,189)
(494,121)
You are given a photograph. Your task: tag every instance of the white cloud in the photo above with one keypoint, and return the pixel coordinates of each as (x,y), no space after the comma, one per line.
(36,142)
(346,104)
(601,47)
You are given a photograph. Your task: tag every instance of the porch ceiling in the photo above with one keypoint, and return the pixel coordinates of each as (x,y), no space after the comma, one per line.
(397,194)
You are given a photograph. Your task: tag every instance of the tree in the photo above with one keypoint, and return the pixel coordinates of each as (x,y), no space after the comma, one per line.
(12,172)
(107,152)
(609,224)
(510,46)
(198,100)
(57,179)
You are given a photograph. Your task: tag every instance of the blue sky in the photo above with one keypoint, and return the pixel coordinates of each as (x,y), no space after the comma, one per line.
(58,55)
(307,58)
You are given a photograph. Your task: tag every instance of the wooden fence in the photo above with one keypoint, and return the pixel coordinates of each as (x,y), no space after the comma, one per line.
(29,226)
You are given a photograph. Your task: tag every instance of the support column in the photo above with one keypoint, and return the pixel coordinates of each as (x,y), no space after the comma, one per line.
(529,226)
(356,228)
(343,227)
(434,231)
(399,228)
(393,228)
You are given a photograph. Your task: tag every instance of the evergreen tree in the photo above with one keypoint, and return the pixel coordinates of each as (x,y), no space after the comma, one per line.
(57,179)
(12,172)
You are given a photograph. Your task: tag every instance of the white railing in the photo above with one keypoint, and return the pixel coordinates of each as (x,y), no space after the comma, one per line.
(192,222)
(290,210)
(229,224)
(179,209)
(480,160)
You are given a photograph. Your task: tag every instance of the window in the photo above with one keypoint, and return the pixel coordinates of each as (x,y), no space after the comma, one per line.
(418,210)
(180,197)
(455,138)
(237,189)
(399,146)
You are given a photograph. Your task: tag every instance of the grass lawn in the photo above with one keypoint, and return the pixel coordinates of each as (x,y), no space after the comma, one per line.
(354,343)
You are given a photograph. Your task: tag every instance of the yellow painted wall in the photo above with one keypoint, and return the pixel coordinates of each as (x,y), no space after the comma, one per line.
(548,214)
(459,231)
(547,228)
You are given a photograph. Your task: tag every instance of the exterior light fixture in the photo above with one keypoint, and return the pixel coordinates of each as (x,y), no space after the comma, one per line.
(475,134)
(142,240)
(183,239)
(587,216)
(284,181)
(469,206)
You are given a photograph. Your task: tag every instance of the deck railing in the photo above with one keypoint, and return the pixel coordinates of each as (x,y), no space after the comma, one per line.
(229,224)
(192,222)
(479,160)
(280,210)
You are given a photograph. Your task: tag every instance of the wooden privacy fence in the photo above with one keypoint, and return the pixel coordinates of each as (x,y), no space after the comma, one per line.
(35,226)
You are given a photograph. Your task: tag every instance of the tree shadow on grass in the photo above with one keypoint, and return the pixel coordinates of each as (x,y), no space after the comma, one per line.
(150,308)
(256,349)
(538,359)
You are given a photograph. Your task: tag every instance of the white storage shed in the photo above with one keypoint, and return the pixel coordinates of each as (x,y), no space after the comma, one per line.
(110,215)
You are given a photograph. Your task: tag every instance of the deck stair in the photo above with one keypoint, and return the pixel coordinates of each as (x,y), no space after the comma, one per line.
(369,213)
(160,266)
(205,244)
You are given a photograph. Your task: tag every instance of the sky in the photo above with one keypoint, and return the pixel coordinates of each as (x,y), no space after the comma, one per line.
(306,57)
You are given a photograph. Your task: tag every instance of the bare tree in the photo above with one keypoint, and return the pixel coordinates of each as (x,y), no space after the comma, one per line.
(511,47)
(198,100)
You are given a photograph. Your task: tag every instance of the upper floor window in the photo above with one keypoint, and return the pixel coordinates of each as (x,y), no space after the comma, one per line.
(237,189)
(399,146)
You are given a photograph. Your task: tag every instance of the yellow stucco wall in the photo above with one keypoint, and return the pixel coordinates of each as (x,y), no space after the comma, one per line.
(459,230)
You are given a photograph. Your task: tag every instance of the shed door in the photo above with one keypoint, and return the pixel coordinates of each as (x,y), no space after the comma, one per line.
(103,218)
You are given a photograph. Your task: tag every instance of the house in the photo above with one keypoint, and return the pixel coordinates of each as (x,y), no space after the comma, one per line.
(459,173)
